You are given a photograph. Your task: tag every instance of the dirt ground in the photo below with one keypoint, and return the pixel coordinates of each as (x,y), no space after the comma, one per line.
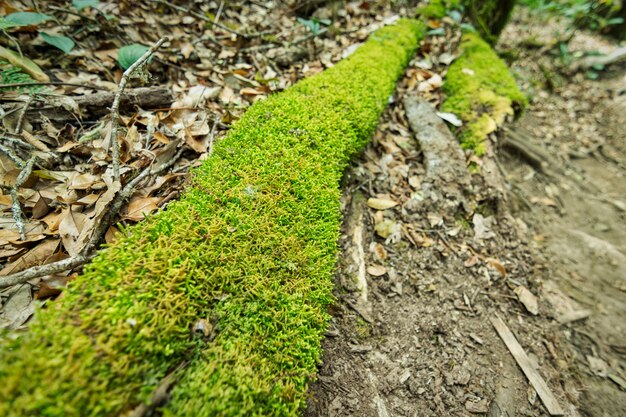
(411,332)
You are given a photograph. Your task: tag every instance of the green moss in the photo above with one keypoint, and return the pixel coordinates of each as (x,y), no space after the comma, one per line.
(436,9)
(250,250)
(480,89)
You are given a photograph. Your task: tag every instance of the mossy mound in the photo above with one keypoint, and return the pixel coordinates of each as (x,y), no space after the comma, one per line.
(480,90)
(436,9)
(233,279)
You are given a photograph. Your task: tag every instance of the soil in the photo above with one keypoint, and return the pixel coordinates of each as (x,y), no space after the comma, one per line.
(412,335)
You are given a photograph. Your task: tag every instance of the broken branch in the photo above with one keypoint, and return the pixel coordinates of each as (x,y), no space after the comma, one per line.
(115,146)
(88,253)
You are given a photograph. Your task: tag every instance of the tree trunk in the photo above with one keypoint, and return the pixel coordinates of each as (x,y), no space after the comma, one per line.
(489,16)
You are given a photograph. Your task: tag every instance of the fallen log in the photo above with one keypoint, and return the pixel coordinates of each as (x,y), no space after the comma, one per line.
(446,171)
(233,279)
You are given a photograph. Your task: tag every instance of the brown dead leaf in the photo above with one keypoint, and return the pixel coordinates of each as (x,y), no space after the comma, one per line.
(379,251)
(139,207)
(111,235)
(497,265)
(18,308)
(41,208)
(36,256)
(71,225)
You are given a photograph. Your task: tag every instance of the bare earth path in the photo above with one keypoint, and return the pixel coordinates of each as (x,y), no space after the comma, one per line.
(420,281)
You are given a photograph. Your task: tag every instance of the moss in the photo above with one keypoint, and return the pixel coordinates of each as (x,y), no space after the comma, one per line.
(489,16)
(480,89)
(436,9)
(249,251)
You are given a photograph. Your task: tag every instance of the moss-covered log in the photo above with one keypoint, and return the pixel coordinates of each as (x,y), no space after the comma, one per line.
(233,279)
(480,89)
(489,16)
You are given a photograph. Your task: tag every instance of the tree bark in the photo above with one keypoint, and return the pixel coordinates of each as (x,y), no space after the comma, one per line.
(489,16)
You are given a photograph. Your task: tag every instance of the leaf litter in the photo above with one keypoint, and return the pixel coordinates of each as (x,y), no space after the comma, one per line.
(221,58)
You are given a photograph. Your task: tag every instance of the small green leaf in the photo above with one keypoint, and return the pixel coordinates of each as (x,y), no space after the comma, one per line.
(62,42)
(129,54)
(4,24)
(436,32)
(26,18)
(83,4)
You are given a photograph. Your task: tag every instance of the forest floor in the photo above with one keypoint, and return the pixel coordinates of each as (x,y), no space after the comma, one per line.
(541,245)
(420,343)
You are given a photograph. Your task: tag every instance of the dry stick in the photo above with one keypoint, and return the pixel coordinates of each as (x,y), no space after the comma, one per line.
(18,142)
(20,119)
(88,252)
(115,146)
(212,134)
(33,84)
(12,155)
(538,383)
(16,206)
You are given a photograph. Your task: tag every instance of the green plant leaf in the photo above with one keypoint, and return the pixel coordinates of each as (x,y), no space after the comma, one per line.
(129,54)
(26,18)
(83,4)
(62,42)
(4,24)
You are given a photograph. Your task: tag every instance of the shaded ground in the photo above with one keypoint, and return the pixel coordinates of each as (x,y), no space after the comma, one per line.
(422,344)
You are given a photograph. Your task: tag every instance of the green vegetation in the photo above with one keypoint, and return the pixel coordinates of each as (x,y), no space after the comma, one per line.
(480,90)
(234,278)
(436,9)
(600,15)
(13,75)
(489,16)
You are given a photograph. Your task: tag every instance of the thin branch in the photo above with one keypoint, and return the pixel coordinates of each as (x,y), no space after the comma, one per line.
(17,142)
(20,119)
(12,155)
(40,271)
(115,146)
(212,134)
(16,206)
(89,252)
(33,84)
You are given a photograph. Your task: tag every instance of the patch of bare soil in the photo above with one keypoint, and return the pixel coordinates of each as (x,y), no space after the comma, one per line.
(576,219)
(536,240)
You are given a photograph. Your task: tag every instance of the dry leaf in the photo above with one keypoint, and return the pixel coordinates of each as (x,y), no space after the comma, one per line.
(381,203)
(497,265)
(528,299)
(376,270)
(18,308)
(139,207)
(379,251)
(71,225)
(34,257)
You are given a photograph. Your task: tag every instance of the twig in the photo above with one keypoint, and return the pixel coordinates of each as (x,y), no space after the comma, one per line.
(20,119)
(33,84)
(212,134)
(115,146)
(12,155)
(62,10)
(18,142)
(15,206)
(160,394)
(518,353)
(89,252)
(40,271)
